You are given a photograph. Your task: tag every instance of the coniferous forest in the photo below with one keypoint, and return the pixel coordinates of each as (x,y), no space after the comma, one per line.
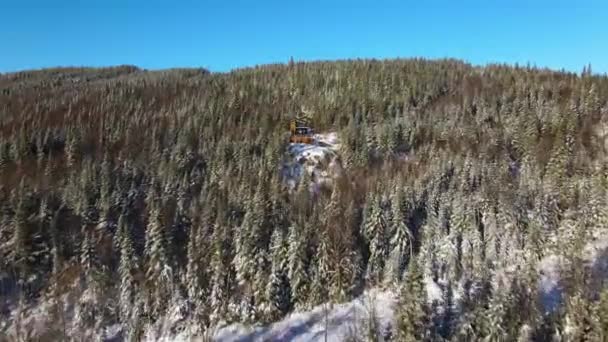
(128,194)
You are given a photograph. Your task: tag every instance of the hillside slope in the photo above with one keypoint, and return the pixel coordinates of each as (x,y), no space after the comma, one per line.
(139,203)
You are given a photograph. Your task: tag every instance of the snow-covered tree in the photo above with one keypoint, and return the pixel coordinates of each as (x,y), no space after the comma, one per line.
(578,320)
(159,273)
(298,266)
(401,248)
(375,228)
(321,271)
(223,279)
(411,311)
(130,299)
(278,289)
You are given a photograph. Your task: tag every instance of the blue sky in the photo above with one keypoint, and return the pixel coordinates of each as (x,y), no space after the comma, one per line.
(220,35)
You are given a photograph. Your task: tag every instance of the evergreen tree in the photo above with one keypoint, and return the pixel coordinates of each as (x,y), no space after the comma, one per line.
(341,248)
(319,288)
(577,324)
(159,273)
(600,318)
(401,248)
(196,279)
(222,274)
(493,326)
(411,312)
(278,290)
(298,266)
(87,311)
(375,231)
(19,246)
(129,308)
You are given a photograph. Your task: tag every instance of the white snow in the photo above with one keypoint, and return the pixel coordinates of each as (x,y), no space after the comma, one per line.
(320,160)
(550,290)
(341,319)
(595,256)
(335,321)
(433,291)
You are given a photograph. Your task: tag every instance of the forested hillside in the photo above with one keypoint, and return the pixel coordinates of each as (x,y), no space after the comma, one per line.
(131,197)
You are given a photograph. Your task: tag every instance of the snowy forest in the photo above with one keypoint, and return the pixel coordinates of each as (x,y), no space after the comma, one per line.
(130,196)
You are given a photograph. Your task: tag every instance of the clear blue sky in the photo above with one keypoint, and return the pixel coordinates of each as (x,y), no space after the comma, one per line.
(221,35)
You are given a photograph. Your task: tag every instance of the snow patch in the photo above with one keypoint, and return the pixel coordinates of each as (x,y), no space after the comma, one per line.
(550,290)
(595,256)
(319,160)
(433,291)
(335,322)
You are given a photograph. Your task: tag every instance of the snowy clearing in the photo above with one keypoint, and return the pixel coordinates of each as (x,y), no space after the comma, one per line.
(320,160)
(595,256)
(334,321)
(342,320)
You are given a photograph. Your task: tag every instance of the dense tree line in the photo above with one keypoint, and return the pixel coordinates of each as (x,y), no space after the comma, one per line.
(126,193)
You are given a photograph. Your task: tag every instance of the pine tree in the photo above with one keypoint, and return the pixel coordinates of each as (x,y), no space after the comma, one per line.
(375,232)
(341,248)
(493,326)
(260,280)
(250,240)
(242,257)
(600,318)
(19,246)
(57,309)
(278,290)
(577,322)
(71,149)
(195,272)
(411,309)
(222,274)
(129,293)
(298,266)
(178,232)
(159,273)
(4,155)
(88,309)
(401,248)
(319,289)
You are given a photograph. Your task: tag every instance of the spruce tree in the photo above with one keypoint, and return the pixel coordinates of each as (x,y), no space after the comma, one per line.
(278,289)
(298,266)
(600,317)
(401,249)
(321,272)
(341,247)
(578,320)
(493,325)
(222,274)
(159,274)
(375,232)
(411,312)
(129,308)
(19,246)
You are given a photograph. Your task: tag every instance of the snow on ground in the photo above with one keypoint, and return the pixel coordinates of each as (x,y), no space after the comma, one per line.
(336,321)
(320,160)
(595,256)
(433,291)
(339,320)
(550,290)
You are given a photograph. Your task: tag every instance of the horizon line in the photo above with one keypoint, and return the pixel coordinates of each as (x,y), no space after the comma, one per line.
(524,65)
